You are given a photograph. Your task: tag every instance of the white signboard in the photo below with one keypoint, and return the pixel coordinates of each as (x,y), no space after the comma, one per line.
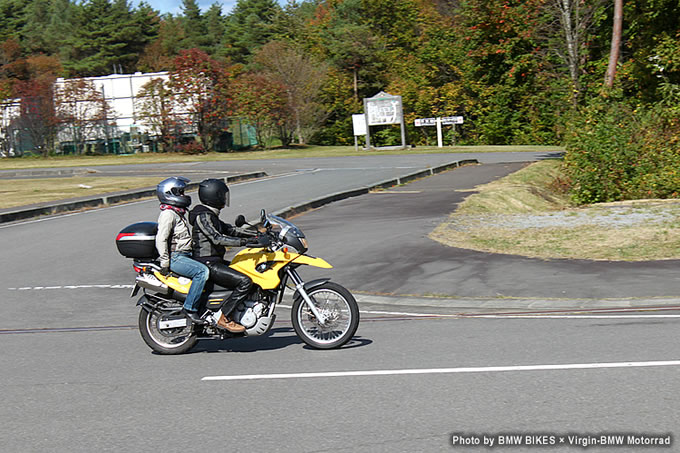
(359,124)
(452,120)
(383,109)
(439,121)
(426,122)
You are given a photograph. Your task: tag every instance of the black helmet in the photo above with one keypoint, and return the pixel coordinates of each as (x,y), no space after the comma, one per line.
(171,191)
(214,193)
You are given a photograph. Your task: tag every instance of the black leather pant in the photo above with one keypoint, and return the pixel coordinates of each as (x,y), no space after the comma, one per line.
(225,276)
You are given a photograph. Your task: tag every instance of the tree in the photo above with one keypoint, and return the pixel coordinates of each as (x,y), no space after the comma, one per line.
(12,64)
(248,27)
(195,82)
(11,18)
(351,44)
(616,44)
(109,37)
(82,113)
(302,78)
(194,26)
(156,107)
(576,19)
(37,115)
(160,53)
(263,102)
(59,31)
(214,29)
(292,23)
(35,30)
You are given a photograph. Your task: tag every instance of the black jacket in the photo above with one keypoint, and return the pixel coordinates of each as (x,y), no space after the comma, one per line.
(211,236)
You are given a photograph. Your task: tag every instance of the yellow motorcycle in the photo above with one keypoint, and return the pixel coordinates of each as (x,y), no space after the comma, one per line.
(324,314)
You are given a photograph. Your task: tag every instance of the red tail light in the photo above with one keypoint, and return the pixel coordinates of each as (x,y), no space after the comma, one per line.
(122,235)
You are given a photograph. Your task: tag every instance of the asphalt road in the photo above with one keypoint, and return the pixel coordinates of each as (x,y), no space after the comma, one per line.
(378,244)
(104,390)
(76,376)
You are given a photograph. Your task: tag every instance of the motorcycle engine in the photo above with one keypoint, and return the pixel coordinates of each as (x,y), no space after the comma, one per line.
(247,313)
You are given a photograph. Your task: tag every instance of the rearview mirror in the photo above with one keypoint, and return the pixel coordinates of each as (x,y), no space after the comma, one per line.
(240,220)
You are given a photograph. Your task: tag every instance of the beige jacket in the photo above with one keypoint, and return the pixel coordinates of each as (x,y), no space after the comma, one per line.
(173,235)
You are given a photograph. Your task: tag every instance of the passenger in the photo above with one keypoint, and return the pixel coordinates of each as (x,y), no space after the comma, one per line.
(211,237)
(173,242)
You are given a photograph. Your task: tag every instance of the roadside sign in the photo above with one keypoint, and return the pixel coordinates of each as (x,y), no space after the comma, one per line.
(359,124)
(439,121)
(383,108)
(426,122)
(452,120)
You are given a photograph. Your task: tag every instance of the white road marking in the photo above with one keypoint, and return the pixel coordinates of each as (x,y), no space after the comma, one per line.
(403,313)
(40,288)
(535,316)
(489,369)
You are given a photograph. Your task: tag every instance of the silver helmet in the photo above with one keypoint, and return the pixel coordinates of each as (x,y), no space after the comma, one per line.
(171,191)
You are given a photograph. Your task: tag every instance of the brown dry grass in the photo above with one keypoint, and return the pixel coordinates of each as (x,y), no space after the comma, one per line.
(19,192)
(493,219)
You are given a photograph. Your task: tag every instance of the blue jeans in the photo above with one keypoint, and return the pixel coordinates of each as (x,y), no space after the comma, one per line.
(181,263)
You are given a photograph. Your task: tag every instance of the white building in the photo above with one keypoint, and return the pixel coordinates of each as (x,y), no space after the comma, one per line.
(125,129)
(119,91)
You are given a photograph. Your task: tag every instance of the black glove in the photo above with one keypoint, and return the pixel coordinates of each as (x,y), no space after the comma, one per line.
(260,241)
(165,271)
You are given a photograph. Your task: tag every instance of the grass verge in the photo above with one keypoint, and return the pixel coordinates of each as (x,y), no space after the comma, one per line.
(309,151)
(521,215)
(20,192)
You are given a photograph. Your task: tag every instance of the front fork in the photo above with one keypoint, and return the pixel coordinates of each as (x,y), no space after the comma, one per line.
(300,287)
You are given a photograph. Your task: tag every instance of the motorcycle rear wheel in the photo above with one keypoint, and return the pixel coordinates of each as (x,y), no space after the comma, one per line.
(338,304)
(165,341)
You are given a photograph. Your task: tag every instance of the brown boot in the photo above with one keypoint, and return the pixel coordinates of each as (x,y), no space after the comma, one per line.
(229,325)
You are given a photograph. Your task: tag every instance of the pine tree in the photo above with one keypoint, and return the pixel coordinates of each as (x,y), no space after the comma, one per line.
(11,18)
(108,38)
(60,29)
(194,25)
(249,26)
(214,25)
(34,32)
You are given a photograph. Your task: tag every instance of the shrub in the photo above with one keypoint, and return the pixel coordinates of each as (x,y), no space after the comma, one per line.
(617,151)
(192,147)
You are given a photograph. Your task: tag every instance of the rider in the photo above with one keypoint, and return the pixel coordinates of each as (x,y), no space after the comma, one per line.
(211,236)
(173,242)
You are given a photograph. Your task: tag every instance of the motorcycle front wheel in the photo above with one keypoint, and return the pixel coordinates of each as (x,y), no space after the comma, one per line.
(340,309)
(177,340)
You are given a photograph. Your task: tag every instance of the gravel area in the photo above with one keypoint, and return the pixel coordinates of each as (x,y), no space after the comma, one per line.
(603,216)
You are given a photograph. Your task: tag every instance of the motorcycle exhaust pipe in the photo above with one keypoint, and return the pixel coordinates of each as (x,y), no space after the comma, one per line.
(150,282)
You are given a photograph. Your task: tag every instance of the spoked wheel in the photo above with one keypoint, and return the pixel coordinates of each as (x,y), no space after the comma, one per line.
(166,330)
(338,307)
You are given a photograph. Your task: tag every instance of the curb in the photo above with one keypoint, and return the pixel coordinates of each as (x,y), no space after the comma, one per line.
(46,172)
(104,200)
(317,203)
(108,199)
